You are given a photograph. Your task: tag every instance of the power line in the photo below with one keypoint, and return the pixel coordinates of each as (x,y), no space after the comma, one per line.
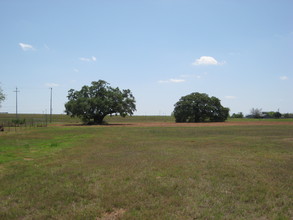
(16,110)
(51,105)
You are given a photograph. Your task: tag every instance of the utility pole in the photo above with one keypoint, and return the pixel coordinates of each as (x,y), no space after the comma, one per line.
(51,106)
(16,91)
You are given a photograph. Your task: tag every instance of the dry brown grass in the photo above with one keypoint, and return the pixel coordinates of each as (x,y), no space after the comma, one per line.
(114,215)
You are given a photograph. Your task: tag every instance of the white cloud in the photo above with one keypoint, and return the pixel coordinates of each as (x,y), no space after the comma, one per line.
(206,60)
(172,81)
(230,97)
(75,70)
(26,47)
(177,80)
(51,85)
(86,59)
(284,78)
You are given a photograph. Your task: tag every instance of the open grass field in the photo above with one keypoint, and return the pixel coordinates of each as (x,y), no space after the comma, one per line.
(148,168)
(62,119)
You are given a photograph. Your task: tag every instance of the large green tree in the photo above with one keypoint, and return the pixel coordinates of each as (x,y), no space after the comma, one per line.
(199,107)
(93,103)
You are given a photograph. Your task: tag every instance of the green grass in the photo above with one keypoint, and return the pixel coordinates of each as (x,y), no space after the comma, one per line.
(235,172)
(26,144)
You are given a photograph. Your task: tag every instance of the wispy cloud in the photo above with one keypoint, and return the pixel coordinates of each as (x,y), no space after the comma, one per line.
(172,81)
(76,70)
(88,59)
(26,47)
(206,60)
(51,85)
(284,78)
(197,76)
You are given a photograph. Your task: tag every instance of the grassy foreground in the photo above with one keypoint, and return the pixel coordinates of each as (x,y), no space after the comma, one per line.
(235,172)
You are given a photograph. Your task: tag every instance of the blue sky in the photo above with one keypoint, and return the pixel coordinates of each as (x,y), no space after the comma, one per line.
(238,51)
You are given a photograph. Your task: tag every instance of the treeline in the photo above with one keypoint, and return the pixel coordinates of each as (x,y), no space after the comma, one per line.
(258,113)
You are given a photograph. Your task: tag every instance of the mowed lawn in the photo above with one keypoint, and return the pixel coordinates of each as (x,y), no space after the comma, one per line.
(111,172)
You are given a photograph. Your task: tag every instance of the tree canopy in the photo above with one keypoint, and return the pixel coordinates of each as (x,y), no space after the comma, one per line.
(199,107)
(93,103)
(237,115)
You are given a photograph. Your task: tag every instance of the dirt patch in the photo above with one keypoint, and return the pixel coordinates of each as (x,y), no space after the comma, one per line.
(28,159)
(116,214)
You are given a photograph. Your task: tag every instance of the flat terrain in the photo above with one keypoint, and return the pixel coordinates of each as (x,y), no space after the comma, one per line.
(148,169)
(205,124)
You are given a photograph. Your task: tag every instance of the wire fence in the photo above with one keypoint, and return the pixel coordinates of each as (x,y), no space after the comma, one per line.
(18,125)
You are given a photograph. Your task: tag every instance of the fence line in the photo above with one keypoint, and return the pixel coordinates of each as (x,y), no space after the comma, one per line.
(13,126)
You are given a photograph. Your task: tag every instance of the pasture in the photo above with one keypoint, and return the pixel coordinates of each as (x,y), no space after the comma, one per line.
(148,168)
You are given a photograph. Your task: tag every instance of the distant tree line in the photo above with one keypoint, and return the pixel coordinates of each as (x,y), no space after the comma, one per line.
(237,115)
(258,113)
(288,115)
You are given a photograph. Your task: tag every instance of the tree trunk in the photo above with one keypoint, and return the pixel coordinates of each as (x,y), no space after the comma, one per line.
(99,119)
